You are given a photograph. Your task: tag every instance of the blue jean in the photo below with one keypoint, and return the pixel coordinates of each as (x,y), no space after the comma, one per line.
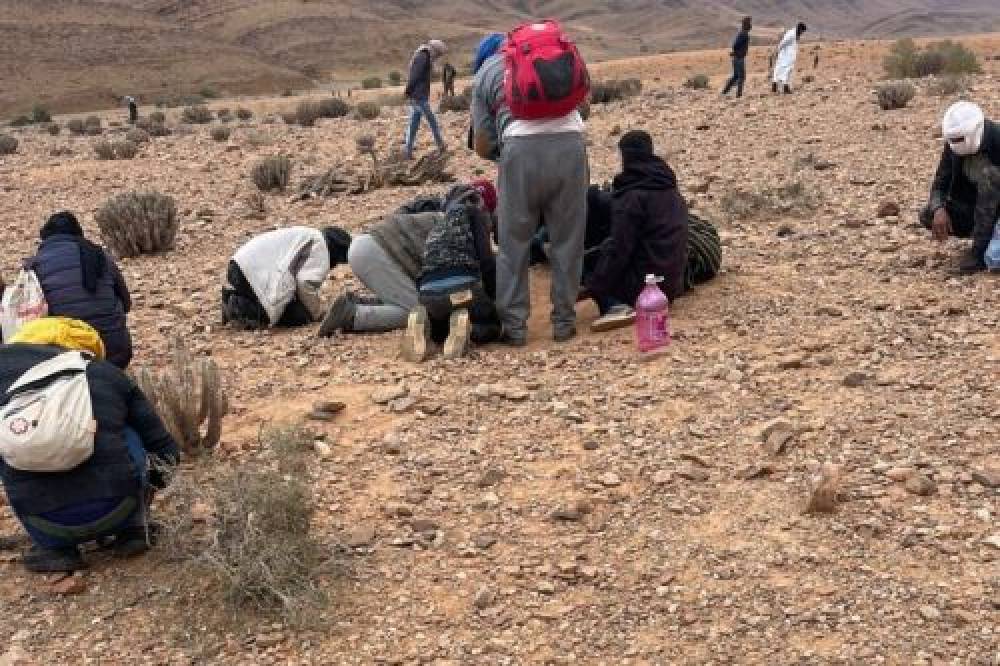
(418,109)
(739,77)
(70,526)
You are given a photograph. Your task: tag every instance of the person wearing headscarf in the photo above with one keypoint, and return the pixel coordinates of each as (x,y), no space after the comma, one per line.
(965,195)
(649,234)
(488,47)
(82,282)
(785,57)
(108,496)
(418,92)
(741,47)
(275,278)
(389,260)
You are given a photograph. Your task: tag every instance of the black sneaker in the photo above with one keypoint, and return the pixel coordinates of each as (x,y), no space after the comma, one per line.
(53,560)
(512,340)
(134,541)
(340,316)
(564,335)
(417,337)
(973,262)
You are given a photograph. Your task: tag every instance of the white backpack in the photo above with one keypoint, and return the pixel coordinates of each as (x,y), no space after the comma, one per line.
(23,301)
(46,417)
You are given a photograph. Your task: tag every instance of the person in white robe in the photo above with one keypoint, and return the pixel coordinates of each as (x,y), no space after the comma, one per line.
(785,57)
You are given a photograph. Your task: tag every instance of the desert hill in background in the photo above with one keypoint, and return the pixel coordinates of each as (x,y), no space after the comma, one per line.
(81,54)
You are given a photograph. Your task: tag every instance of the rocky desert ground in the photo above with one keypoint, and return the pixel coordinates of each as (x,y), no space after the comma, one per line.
(566,503)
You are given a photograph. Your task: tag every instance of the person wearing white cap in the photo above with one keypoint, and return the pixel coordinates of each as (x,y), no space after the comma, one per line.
(418,91)
(965,196)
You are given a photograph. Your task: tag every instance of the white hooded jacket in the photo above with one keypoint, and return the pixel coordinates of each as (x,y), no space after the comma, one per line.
(788,53)
(283,264)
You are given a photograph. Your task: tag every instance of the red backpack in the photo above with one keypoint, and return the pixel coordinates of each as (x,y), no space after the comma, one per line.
(545,75)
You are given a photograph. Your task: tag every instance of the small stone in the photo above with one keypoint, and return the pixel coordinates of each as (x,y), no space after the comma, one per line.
(384,396)
(322,449)
(610,480)
(987,477)
(888,209)
(930,613)
(488,501)
(691,473)
(856,379)
(777,441)
(993,541)
(662,477)
(546,587)
(321,416)
(68,586)
(424,525)
(484,541)
(757,471)
(269,640)
(920,485)
(826,488)
(491,477)
(900,474)
(201,512)
(360,536)
(402,405)
(793,362)
(329,406)
(485,597)
(590,445)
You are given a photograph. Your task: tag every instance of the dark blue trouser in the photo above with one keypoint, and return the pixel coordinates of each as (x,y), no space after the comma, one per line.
(73,525)
(739,77)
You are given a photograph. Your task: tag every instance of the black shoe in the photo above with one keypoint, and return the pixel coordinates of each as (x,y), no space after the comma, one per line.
(973,262)
(53,560)
(564,335)
(513,340)
(340,316)
(788,90)
(134,541)
(774,87)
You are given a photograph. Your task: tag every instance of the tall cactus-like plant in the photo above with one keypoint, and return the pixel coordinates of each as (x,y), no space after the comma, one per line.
(189,397)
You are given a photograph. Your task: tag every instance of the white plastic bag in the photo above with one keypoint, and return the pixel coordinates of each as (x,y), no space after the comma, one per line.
(23,301)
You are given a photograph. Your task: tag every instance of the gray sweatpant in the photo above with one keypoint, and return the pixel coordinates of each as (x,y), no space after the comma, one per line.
(395,289)
(542,178)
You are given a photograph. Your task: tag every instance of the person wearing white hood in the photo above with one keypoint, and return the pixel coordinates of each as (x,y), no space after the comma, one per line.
(965,196)
(786,55)
(418,91)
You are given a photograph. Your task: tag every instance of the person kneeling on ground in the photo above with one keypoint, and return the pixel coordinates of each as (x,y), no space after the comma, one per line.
(965,196)
(275,278)
(389,259)
(109,494)
(456,287)
(649,235)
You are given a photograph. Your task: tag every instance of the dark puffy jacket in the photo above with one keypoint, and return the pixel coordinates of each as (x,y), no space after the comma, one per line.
(110,472)
(57,265)
(418,86)
(952,183)
(649,235)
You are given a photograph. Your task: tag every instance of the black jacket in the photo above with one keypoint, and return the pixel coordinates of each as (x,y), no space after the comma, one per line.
(110,472)
(58,267)
(952,184)
(418,86)
(741,45)
(649,230)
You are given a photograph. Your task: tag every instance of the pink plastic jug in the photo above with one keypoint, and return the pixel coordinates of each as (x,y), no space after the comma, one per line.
(652,319)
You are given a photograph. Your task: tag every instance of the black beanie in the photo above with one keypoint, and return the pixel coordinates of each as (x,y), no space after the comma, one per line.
(636,144)
(338,242)
(63,222)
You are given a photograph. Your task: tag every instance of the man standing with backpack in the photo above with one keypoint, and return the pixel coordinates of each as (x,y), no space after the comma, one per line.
(524,111)
(418,91)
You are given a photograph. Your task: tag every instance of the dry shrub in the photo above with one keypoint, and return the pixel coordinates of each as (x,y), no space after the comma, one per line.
(605,92)
(256,545)
(139,223)
(196,115)
(53,129)
(115,150)
(224,115)
(698,82)
(158,117)
(368,110)
(20,121)
(371,83)
(908,61)
(948,86)
(458,103)
(189,397)
(333,108)
(895,95)
(39,114)
(92,126)
(8,144)
(77,127)
(825,490)
(272,173)
(289,117)
(220,133)
(244,114)
(393,100)
(158,129)
(307,113)
(792,199)
(105,150)
(137,135)
(257,139)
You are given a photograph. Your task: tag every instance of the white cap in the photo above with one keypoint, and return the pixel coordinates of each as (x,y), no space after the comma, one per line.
(963,127)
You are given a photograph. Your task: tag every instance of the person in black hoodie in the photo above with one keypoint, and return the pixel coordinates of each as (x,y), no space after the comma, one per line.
(649,235)
(741,47)
(81,282)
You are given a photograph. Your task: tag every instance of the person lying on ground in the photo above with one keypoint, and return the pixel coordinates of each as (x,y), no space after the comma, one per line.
(275,278)
(649,234)
(81,281)
(965,194)
(388,260)
(456,287)
(108,496)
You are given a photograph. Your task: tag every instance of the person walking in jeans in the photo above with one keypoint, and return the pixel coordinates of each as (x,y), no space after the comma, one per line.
(741,47)
(544,174)
(418,91)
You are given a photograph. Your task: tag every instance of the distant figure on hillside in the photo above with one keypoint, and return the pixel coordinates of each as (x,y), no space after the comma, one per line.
(133,110)
(965,196)
(275,278)
(785,57)
(418,91)
(741,47)
(448,74)
(816,60)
